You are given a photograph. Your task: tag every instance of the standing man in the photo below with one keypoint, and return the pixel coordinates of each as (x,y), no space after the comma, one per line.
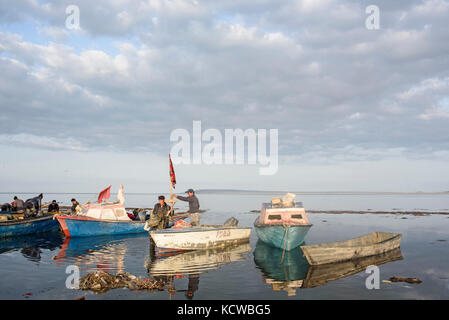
(194,204)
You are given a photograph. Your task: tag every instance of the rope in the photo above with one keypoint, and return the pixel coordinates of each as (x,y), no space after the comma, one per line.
(285,241)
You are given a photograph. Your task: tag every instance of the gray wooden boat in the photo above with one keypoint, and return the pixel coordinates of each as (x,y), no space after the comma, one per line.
(368,245)
(324,273)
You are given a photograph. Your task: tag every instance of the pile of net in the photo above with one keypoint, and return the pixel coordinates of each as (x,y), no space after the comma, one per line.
(100,282)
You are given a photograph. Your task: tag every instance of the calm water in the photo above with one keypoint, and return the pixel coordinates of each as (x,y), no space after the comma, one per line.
(37,264)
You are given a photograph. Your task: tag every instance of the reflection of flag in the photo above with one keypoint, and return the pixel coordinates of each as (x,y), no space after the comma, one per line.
(172,173)
(105,194)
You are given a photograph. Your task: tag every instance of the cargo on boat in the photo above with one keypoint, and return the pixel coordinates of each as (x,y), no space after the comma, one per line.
(20,226)
(200,237)
(368,245)
(282,223)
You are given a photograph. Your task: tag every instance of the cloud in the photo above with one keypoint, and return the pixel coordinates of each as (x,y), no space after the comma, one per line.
(140,69)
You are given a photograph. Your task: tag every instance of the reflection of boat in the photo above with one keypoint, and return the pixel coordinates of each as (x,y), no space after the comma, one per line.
(19,227)
(31,245)
(287,275)
(201,237)
(282,226)
(103,252)
(198,261)
(321,274)
(364,246)
(295,271)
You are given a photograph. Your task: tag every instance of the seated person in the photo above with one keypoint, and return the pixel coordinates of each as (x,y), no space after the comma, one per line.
(18,204)
(6,207)
(76,208)
(160,216)
(53,207)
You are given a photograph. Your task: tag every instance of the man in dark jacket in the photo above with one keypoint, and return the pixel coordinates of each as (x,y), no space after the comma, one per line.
(194,204)
(75,204)
(34,203)
(53,207)
(160,216)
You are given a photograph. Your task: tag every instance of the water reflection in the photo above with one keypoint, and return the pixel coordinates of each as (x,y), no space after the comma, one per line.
(96,253)
(197,261)
(287,276)
(295,272)
(32,246)
(189,265)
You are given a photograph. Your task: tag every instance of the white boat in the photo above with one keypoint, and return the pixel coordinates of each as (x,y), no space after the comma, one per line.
(201,237)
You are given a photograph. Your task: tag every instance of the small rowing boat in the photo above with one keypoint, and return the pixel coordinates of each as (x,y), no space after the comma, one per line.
(368,245)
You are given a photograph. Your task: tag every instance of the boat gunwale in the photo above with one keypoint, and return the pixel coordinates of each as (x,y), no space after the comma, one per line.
(25,221)
(327,245)
(198,229)
(264,225)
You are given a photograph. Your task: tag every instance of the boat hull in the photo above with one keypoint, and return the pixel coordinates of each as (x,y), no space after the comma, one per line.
(368,245)
(85,227)
(200,238)
(31,226)
(280,236)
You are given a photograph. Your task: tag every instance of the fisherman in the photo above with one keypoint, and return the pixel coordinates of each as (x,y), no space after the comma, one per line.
(160,216)
(34,204)
(75,205)
(194,205)
(18,204)
(6,207)
(53,207)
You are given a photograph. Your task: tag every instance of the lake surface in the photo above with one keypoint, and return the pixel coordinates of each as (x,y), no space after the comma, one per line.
(34,267)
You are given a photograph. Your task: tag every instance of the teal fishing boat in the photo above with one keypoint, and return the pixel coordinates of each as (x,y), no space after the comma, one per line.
(282,224)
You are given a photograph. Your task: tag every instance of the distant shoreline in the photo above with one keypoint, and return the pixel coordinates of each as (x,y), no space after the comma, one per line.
(259,192)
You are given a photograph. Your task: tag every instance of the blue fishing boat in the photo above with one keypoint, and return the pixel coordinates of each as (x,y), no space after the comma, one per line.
(283,226)
(20,227)
(107,218)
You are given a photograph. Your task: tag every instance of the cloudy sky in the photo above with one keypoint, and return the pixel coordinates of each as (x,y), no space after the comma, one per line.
(356,109)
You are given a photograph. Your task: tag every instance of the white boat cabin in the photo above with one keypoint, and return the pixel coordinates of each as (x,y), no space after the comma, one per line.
(278,214)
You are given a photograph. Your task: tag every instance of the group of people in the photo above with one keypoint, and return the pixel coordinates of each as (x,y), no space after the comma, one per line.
(33,206)
(29,206)
(162,211)
(158,220)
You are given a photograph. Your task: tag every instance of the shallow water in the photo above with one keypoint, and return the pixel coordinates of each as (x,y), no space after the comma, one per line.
(36,265)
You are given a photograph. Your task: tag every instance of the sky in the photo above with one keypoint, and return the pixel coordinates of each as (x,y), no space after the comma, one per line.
(355,109)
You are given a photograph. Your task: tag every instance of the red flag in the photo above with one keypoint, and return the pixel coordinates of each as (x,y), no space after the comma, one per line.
(105,194)
(172,173)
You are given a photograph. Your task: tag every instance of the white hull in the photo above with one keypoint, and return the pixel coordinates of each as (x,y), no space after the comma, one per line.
(200,238)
